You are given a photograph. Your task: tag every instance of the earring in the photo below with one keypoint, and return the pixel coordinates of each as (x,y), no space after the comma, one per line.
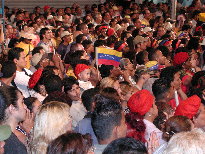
(149,115)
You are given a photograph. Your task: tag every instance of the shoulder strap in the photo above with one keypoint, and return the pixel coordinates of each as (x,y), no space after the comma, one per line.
(26,72)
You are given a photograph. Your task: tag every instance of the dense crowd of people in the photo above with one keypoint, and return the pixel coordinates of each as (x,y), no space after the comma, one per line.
(56,98)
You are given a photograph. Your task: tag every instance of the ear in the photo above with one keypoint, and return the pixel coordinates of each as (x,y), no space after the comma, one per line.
(14,75)
(172,84)
(115,132)
(167,116)
(79,76)
(11,108)
(122,97)
(15,60)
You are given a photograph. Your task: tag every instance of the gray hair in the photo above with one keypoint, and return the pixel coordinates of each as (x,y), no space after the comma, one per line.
(191,142)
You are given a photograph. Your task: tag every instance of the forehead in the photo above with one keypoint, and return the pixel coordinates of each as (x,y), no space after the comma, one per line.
(74,86)
(86,71)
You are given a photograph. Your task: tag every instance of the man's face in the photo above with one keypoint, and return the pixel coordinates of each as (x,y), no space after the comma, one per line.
(147,14)
(9,29)
(19,17)
(177,81)
(2,143)
(90,48)
(85,30)
(60,12)
(74,93)
(161,31)
(48,35)
(68,10)
(21,62)
(79,11)
(66,19)
(107,17)
(20,111)
(161,58)
(99,18)
(27,41)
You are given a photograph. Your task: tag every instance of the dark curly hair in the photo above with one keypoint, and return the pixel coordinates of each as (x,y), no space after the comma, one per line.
(135,126)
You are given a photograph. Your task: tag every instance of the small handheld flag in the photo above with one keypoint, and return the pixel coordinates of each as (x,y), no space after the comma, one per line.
(108,56)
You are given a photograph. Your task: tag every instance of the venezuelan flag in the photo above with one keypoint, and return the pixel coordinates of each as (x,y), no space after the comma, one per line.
(108,56)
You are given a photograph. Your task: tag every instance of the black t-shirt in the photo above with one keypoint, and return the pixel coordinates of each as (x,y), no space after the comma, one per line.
(14,146)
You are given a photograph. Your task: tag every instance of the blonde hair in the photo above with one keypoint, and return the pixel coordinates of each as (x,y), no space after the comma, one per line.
(191,142)
(52,120)
(107,82)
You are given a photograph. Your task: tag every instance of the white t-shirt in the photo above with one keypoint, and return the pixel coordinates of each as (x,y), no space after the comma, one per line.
(85,85)
(21,80)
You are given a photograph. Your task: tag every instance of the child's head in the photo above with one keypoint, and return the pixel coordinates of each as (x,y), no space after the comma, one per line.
(82,72)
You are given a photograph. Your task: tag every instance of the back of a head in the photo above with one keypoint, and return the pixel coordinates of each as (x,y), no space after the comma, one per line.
(169,72)
(88,97)
(105,70)
(191,142)
(53,83)
(8,69)
(107,82)
(29,101)
(125,146)
(110,93)
(160,87)
(106,116)
(176,124)
(68,143)
(52,120)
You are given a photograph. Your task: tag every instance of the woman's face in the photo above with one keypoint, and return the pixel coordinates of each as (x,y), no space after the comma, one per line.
(36,105)
(154,110)
(194,60)
(129,66)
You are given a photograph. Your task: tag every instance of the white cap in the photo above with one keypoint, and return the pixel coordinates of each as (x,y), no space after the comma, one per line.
(147,29)
(65,33)
(49,17)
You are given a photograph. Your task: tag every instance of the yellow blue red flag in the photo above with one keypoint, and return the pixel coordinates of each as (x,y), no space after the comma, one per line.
(108,56)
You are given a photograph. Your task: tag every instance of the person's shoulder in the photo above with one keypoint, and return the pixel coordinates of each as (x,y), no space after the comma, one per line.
(28,71)
(14,146)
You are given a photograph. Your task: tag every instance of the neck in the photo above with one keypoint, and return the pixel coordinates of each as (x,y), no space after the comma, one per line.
(140,83)
(94,83)
(65,43)
(149,118)
(45,40)
(12,123)
(106,141)
(7,81)
(19,69)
